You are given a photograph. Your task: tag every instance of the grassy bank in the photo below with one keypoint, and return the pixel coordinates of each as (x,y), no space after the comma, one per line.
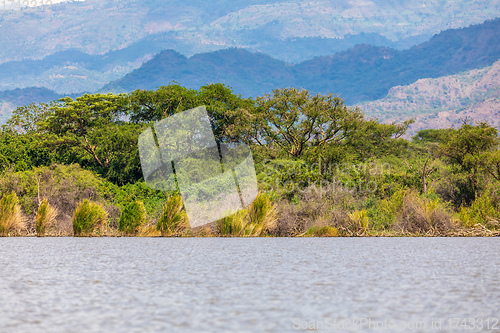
(69,201)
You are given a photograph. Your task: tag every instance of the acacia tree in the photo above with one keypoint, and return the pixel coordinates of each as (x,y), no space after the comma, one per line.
(90,129)
(490,161)
(294,121)
(147,105)
(27,118)
(73,120)
(221,103)
(466,147)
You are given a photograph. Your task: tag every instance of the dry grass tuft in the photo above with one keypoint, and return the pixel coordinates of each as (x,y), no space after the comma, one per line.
(424,216)
(46,216)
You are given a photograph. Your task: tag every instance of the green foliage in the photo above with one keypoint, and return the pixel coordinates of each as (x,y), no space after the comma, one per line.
(385,212)
(132,218)
(90,130)
(465,150)
(173,220)
(433,135)
(20,152)
(490,163)
(485,210)
(153,199)
(147,106)
(45,217)
(89,218)
(11,218)
(466,143)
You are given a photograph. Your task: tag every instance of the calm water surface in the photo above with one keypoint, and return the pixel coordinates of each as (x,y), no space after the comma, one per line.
(249,285)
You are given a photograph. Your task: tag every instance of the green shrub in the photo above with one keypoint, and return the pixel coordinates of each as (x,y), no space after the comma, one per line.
(173,219)
(360,219)
(383,215)
(45,217)
(11,218)
(257,220)
(132,218)
(89,218)
(483,210)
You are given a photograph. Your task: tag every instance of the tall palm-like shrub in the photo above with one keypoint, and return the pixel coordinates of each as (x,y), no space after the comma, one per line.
(11,217)
(173,219)
(45,217)
(132,218)
(262,214)
(89,218)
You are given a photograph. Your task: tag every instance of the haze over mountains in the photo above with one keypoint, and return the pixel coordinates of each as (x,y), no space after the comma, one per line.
(362,73)
(358,49)
(274,27)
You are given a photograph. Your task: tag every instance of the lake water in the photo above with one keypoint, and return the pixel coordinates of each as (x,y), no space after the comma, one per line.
(249,285)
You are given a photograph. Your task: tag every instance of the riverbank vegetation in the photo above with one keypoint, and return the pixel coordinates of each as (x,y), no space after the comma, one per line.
(72,167)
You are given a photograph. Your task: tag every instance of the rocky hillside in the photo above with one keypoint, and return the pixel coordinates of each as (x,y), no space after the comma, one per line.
(443,102)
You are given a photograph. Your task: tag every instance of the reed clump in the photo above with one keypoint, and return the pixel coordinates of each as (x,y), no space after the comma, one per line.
(89,218)
(173,219)
(132,218)
(325,231)
(262,215)
(255,221)
(46,216)
(12,220)
(233,225)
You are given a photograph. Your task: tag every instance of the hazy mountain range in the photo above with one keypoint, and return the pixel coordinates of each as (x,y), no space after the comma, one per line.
(288,30)
(361,50)
(362,73)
